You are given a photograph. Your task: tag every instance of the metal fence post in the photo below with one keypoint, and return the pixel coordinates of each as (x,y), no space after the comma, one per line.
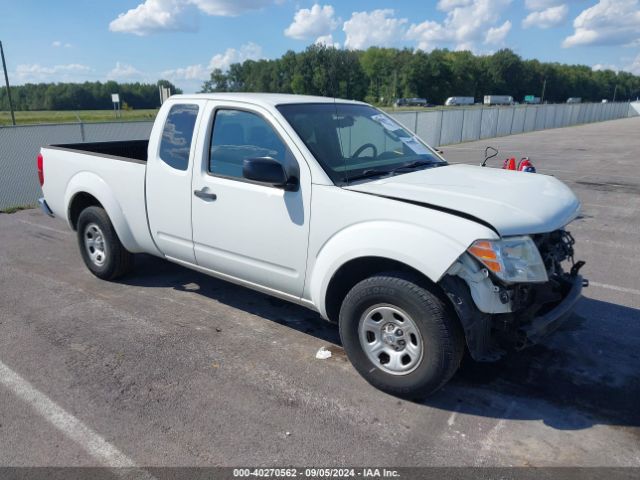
(495,130)
(81,126)
(513,114)
(441,120)
(415,130)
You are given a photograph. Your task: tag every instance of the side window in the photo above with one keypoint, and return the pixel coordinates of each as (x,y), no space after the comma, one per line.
(238,135)
(176,136)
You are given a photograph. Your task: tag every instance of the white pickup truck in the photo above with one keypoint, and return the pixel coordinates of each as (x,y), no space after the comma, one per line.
(333,205)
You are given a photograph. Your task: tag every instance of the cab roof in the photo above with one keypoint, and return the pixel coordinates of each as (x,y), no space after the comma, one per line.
(264,99)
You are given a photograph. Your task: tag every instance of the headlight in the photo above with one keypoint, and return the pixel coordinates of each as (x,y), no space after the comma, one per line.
(513,259)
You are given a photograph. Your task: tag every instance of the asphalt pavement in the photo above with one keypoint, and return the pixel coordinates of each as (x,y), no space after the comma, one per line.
(170,367)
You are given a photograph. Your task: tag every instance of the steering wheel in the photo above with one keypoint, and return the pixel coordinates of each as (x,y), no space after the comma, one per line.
(362,148)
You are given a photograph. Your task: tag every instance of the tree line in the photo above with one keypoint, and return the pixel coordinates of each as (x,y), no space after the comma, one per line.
(380,75)
(82,96)
(376,75)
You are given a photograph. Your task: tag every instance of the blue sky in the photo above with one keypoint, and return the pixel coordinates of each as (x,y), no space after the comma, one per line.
(182,40)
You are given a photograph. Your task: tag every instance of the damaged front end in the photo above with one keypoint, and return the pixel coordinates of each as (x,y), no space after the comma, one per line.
(505,302)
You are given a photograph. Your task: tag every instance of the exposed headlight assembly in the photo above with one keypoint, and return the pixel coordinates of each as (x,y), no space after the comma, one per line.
(512,259)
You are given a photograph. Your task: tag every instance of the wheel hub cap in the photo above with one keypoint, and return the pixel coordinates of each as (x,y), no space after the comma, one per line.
(94,244)
(391,340)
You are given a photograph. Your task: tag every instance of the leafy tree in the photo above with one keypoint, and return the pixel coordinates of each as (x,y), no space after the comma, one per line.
(380,75)
(83,96)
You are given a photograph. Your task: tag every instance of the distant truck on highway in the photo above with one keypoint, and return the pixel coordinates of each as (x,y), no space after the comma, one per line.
(498,100)
(411,102)
(531,100)
(333,205)
(574,100)
(451,101)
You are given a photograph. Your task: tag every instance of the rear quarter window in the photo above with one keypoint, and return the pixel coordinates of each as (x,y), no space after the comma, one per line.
(177,135)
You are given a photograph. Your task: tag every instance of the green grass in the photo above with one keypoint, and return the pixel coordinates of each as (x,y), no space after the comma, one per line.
(44,116)
(17,208)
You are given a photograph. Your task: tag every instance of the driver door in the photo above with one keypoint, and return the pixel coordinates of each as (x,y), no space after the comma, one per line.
(251,232)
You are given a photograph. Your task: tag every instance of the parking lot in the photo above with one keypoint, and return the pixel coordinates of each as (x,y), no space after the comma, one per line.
(170,367)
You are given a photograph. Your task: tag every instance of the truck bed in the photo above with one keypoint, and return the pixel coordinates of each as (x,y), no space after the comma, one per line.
(126,150)
(113,171)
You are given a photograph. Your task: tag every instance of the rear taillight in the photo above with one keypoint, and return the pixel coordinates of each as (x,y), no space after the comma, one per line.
(41,169)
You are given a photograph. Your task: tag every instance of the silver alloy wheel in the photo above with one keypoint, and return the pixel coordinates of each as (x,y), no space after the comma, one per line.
(94,244)
(390,339)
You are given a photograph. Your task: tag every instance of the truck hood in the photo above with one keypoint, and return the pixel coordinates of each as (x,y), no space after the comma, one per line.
(513,203)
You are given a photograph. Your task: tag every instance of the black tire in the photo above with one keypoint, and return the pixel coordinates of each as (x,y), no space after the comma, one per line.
(115,261)
(441,334)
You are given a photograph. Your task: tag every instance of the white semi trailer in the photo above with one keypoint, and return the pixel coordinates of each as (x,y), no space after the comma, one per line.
(498,100)
(451,101)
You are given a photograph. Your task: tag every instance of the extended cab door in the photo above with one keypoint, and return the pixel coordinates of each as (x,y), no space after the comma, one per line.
(169,169)
(252,232)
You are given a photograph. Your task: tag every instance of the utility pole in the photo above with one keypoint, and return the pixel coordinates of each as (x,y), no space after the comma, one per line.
(544,86)
(615,90)
(6,80)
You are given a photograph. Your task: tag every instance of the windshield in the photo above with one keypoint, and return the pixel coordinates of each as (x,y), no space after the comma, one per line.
(353,142)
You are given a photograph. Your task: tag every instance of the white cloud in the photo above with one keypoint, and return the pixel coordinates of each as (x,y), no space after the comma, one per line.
(378,27)
(428,34)
(446,5)
(608,22)
(547,18)
(192,72)
(249,51)
(154,16)
(314,22)
(602,66)
(190,78)
(467,25)
(230,8)
(634,66)
(122,71)
(58,73)
(327,40)
(541,4)
(496,35)
(58,44)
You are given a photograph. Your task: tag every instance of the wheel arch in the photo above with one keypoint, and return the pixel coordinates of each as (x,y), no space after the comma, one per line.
(87,189)
(360,268)
(78,203)
(381,245)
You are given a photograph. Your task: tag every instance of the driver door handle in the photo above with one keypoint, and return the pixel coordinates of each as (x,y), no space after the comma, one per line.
(205,195)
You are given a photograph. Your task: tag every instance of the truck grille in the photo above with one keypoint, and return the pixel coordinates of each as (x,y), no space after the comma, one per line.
(555,248)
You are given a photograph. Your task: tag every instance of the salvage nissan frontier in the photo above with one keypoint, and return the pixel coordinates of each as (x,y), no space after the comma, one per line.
(333,205)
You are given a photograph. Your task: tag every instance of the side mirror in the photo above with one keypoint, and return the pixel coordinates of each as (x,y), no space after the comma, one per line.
(269,171)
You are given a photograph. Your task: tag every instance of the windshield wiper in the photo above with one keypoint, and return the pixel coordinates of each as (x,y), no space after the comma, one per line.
(416,164)
(371,172)
(375,172)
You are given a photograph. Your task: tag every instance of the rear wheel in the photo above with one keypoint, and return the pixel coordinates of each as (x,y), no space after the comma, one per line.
(400,336)
(100,247)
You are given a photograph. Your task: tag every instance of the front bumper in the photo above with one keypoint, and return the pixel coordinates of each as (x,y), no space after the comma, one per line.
(45,207)
(545,324)
(490,336)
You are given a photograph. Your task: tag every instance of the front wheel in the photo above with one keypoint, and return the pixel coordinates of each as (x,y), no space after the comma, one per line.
(100,247)
(400,336)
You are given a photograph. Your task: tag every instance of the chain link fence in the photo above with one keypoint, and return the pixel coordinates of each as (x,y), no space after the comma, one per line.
(20,145)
